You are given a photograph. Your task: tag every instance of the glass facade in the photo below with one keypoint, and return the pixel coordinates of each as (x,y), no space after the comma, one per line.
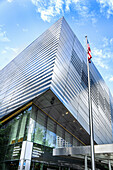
(13,134)
(43,130)
(35,126)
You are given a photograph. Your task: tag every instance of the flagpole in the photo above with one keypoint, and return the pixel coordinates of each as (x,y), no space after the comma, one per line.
(90,115)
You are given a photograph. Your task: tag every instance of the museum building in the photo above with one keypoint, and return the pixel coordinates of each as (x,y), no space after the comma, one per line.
(44,105)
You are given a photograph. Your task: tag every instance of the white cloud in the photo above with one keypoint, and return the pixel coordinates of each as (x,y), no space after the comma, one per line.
(111,41)
(14,50)
(82,9)
(8,54)
(111,79)
(9,1)
(106,7)
(94,20)
(52,8)
(100,62)
(46,13)
(11,50)
(101,53)
(49,8)
(69,2)
(101,57)
(105,41)
(59,6)
(4,52)
(3,36)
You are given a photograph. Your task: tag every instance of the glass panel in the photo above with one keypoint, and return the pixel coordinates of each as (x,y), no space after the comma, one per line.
(60,142)
(67,139)
(50,134)
(18,127)
(27,112)
(31,130)
(13,132)
(22,128)
(40,129)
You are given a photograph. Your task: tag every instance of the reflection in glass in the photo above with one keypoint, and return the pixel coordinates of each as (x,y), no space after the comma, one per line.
(40,129)
(50,134)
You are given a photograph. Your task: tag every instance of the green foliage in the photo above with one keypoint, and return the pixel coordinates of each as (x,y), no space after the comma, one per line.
(4,137)
(4,134)
(40,137)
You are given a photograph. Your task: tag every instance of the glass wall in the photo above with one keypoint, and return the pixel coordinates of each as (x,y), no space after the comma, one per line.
(47,132)
(40,129)
(11,136)
(33,125)
(50,133)
(19,127)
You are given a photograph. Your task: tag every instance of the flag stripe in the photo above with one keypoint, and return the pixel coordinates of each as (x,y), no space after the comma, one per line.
(89,52)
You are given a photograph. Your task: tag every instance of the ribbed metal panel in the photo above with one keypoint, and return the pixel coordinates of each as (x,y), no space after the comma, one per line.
(30,73)
(70,84)
(57,60)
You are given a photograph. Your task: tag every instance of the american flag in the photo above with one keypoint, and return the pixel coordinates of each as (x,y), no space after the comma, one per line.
(89,52)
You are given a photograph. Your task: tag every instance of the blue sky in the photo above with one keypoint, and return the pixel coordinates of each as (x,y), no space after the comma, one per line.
(22,21)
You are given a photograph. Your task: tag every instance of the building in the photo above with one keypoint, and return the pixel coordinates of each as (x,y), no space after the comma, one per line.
(44,103)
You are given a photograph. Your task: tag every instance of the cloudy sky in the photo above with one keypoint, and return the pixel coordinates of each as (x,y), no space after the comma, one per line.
(22,21)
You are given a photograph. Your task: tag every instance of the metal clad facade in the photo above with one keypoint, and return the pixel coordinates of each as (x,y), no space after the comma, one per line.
(30,73)
(57,60)
(70,84)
